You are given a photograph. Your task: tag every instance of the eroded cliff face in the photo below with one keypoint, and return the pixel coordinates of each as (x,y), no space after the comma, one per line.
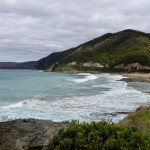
(74,66)
(135,66)
(87,64)
(28,134)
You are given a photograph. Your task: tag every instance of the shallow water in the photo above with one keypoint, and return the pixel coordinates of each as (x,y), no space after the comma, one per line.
(59,96)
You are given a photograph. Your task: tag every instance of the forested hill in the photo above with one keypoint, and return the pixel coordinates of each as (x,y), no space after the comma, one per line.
(125,50)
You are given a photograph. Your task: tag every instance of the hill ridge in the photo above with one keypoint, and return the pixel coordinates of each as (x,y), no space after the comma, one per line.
(110,50)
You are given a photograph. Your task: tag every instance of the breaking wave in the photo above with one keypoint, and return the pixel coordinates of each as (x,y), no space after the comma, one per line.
(112,97)
(85,77)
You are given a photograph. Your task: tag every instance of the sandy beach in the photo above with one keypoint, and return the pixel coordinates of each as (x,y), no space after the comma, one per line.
(137,77)
(139,81)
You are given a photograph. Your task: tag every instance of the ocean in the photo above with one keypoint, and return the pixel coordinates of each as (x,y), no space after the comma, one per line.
(63,97)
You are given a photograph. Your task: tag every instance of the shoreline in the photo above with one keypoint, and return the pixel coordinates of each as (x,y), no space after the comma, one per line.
(30,134)
(136,77)
(138,81)
(128,77)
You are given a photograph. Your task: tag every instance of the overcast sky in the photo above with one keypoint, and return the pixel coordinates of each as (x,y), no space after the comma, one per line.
(32,29)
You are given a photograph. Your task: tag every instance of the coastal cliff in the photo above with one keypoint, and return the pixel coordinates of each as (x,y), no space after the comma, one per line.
(124,51)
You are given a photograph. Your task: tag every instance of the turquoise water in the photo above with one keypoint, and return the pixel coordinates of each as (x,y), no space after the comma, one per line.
(60,96)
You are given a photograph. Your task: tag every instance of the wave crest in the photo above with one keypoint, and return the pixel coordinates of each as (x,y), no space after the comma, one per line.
(86,77)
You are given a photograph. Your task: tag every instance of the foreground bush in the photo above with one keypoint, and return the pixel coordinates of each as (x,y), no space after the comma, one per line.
(98,136)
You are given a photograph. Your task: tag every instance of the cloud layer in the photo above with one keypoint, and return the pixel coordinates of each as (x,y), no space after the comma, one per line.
(32,29)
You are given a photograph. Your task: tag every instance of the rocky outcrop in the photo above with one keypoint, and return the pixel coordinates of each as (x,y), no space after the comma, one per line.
(91,64)
(53,67)
(28,134)
(120,66)
(73,63)
(135,66)
(87,64)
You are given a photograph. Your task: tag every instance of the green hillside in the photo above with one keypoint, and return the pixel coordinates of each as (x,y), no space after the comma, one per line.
(111,52)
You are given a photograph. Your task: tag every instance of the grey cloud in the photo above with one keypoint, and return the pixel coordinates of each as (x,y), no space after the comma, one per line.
(32,29)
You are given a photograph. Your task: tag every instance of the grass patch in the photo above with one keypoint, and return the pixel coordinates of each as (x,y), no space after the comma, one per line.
(141,120)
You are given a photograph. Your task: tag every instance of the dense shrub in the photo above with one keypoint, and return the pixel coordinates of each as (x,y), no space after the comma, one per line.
(98,136)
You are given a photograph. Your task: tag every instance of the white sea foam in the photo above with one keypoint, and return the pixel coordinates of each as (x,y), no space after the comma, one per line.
(15,105)
(26,103)
(119,98)
(82,108)
(112,82)
(86,77)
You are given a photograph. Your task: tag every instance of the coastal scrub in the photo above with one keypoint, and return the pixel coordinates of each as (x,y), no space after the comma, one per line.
(98,136)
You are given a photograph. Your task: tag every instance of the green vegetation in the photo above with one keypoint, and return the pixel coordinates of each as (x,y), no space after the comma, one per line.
(141,120)
(110,50)
(73,68)
(98,136)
